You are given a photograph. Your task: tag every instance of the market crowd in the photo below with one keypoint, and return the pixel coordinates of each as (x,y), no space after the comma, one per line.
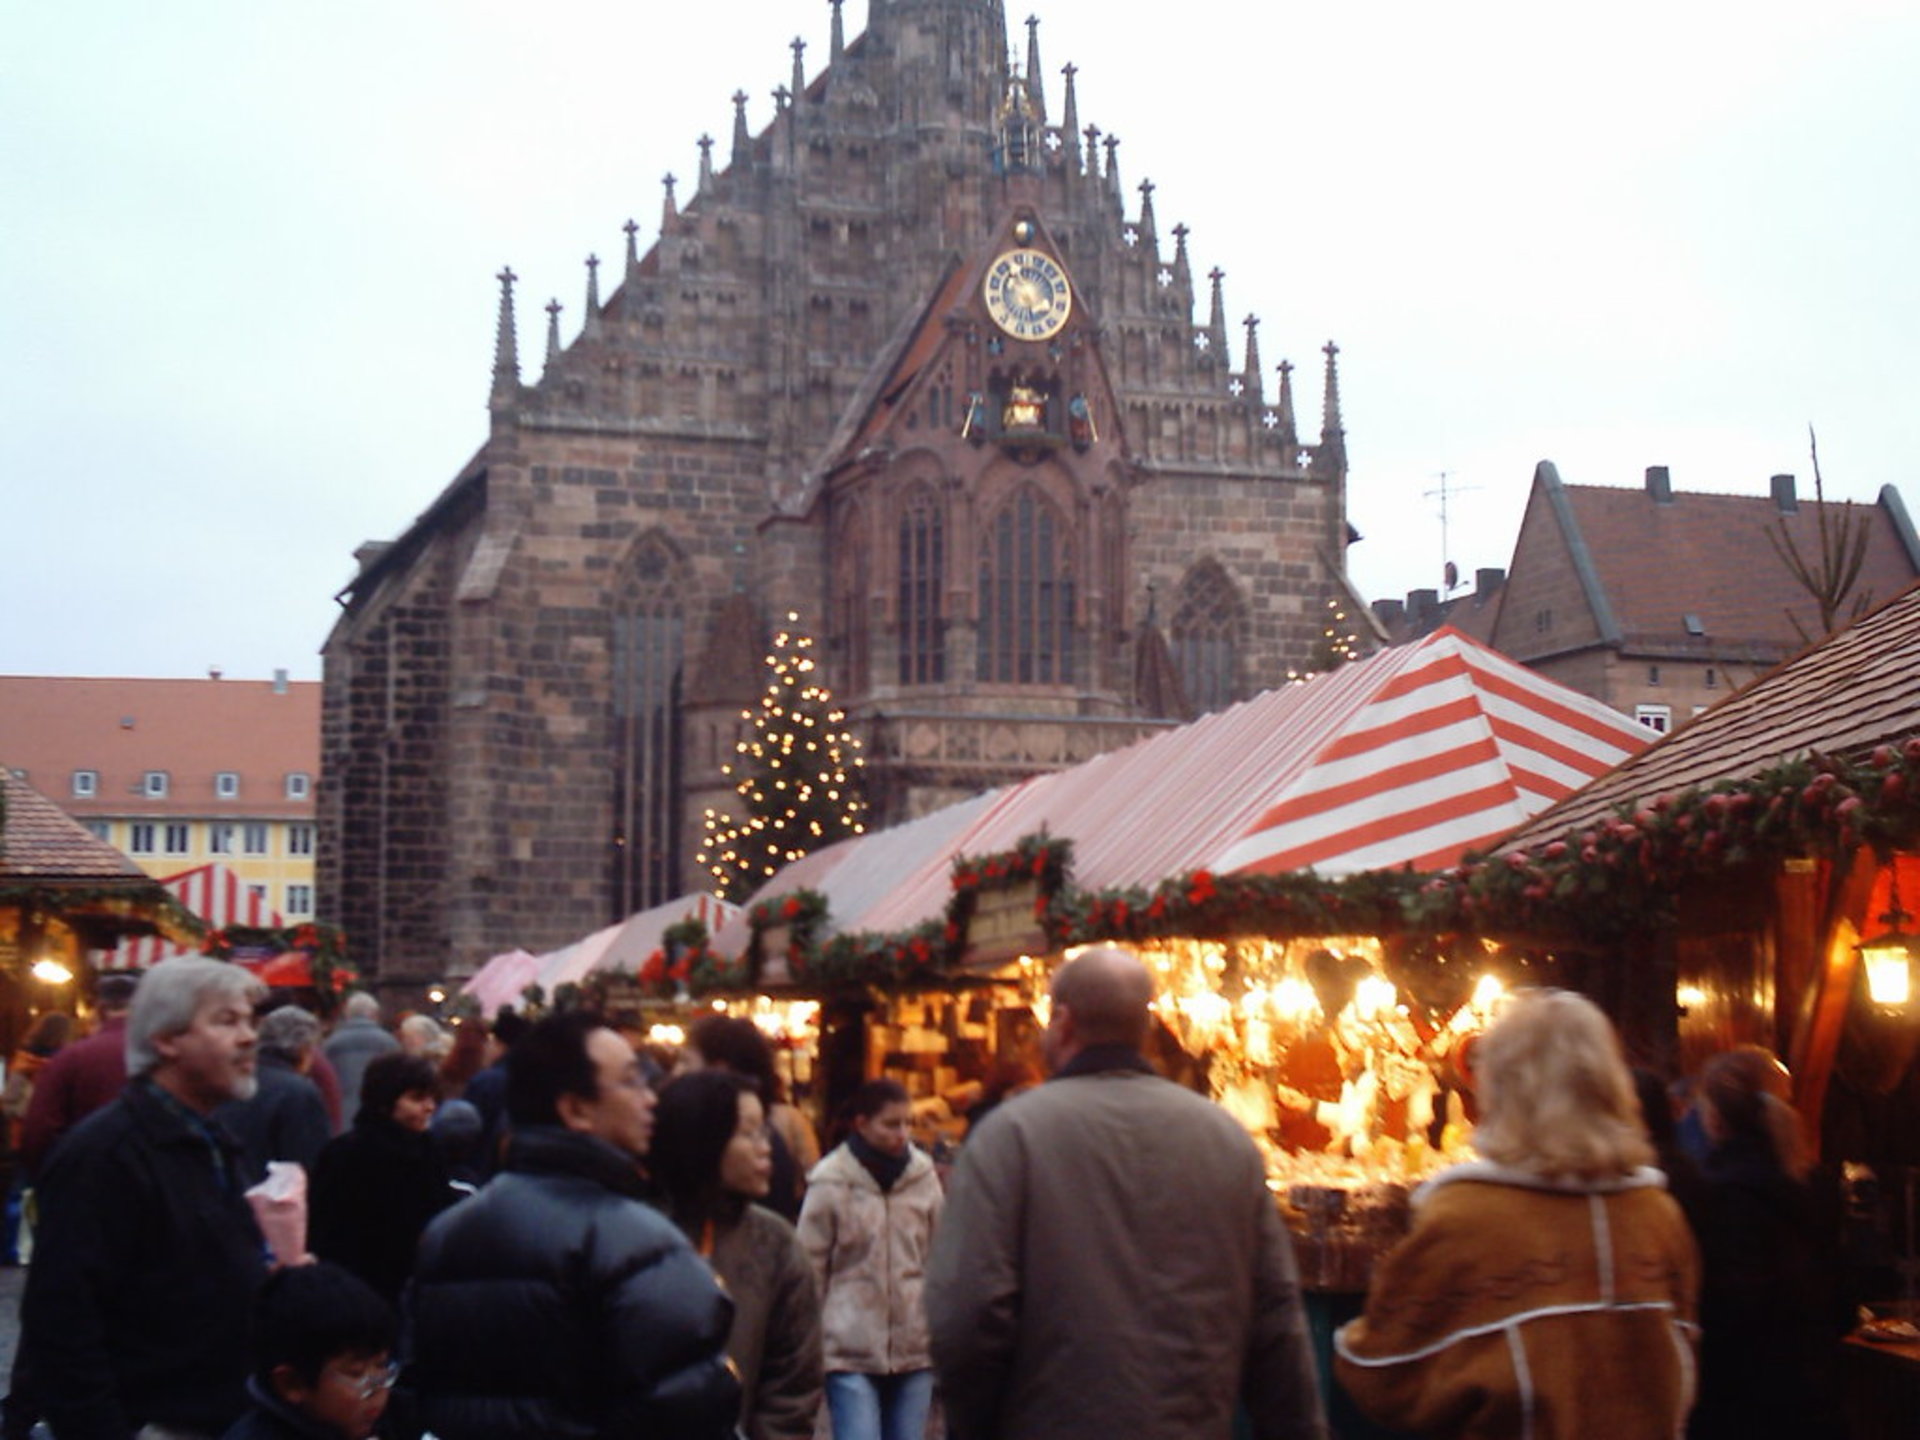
(243,1226)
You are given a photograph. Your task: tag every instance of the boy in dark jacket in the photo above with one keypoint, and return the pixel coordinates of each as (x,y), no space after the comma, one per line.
(323,1357)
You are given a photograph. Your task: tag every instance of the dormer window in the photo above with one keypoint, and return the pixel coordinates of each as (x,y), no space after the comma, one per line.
(154,785)
(226,785)
(86,784)
(299,785)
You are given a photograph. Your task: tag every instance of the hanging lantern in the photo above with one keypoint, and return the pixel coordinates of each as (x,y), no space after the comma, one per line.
(1888,957)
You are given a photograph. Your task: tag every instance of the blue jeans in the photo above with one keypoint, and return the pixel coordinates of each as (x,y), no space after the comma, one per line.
(879,1407)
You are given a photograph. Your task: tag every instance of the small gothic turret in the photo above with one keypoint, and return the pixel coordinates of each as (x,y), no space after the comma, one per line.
(506,349)
(799,69)
(1093,152)
(1251,376)
(669,208)
(1182,267)
(553,333)
(1070,122)
(591,324)
(1113,173)
(706,165)
(839,42)
(633,252)
(1286,428)
(1034,85)
(1333,436)
(1217,318)
(742,141)
(1149,230)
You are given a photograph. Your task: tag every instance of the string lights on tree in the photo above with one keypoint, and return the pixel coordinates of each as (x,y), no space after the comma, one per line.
(796,775)
(1339,644)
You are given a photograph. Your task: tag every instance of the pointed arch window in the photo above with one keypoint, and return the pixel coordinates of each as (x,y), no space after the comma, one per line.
(1208,634)
(649,656)
(853,581)
(1026,594)
(923,583)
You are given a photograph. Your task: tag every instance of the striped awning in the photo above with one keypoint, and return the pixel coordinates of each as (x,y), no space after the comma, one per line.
(1412,756)
(216,895)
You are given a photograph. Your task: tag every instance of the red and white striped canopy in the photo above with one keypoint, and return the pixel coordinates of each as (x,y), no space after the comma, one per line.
(1412,756)
(216,895)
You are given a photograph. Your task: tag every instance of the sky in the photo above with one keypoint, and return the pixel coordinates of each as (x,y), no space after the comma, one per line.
(247,255)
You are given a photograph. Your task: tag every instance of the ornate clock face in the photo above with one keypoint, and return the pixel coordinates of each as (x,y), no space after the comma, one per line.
(1027,294)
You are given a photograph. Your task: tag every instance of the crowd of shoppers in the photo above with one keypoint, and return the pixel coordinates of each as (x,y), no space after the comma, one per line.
(560,1238)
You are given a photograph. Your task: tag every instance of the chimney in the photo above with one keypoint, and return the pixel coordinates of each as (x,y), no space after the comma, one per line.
(279,682)
(1486,580)
(1423,606)
(1388,612)
(1784,498)
(213,672)
(1659,485)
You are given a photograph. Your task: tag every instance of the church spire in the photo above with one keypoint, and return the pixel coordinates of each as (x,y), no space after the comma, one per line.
(1251,376)
(1182,267)
(1035,88)
(742,141)
(1149,230)
(706,165)
(1332,435)
(633,250)
(1287,429)
(1113,173)
(839,43)
(669,209)
(1070,122)
(591,325)
(1093,152)
(506,350)
(799,69)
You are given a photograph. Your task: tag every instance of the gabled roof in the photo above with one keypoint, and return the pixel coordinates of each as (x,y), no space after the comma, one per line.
(1859,689)
(1647,564)
(1409,757)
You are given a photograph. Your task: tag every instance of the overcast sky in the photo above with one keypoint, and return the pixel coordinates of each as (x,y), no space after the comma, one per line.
(247,254)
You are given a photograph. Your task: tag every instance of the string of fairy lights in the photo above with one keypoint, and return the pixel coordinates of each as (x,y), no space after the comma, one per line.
(796,774)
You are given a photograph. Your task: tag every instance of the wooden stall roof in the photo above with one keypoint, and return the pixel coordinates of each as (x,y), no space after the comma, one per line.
(40,842)
(1856,690)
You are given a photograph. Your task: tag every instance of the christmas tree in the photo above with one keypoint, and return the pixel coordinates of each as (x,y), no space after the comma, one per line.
(796,776)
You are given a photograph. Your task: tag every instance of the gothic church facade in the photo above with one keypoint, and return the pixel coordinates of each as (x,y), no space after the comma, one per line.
(910,366)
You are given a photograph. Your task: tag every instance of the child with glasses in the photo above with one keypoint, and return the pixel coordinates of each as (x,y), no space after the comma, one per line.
(322,1357)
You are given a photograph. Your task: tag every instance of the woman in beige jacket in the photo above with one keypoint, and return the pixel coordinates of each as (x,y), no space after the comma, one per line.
(868,1224)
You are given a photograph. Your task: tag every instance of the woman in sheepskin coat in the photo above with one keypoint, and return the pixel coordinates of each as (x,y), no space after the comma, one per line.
(867,1223)
(1551,1288)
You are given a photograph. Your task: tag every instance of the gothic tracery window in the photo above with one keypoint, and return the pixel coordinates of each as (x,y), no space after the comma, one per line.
(852,569)
(923,564)
(1208,634)
(1026,594)
(649,653)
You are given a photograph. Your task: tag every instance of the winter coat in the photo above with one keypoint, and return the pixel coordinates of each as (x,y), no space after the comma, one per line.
(285,1120)
(1771,1319)
(84,1077)
(869,1250)
(144,1270)
(1521,1307)
(1112,1264)
(555,1303)
(351,1046)
(268,1417)
(775,1341)
(374,1190)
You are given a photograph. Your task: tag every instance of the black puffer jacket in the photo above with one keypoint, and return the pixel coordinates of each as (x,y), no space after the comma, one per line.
(556,1304)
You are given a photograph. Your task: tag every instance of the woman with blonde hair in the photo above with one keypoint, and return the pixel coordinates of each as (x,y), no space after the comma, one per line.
(1549,1287)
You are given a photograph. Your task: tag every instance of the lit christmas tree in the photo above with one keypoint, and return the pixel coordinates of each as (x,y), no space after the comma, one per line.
(797,776)
(1339,644)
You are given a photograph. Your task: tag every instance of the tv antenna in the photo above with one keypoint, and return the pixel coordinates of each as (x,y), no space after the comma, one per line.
(1449,572)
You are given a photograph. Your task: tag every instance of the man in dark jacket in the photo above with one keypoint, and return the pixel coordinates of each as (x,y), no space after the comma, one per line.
(147,1256)
(356,1040)
(555,1302)
(285,1119)
(82,1078)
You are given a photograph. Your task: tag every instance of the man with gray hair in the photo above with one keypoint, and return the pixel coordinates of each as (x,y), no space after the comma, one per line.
(134,1321)
(356,1040)
(286,1119)
(1110,1261)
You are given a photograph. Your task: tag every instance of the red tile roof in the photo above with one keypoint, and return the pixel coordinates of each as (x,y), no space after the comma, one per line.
(1859,689)
(1709,556)
(51,726)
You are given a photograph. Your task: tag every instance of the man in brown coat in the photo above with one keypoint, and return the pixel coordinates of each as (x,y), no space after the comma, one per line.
(1110,1262)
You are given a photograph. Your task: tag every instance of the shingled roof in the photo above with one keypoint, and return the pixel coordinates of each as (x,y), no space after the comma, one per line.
(40,841)
(1859,689)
